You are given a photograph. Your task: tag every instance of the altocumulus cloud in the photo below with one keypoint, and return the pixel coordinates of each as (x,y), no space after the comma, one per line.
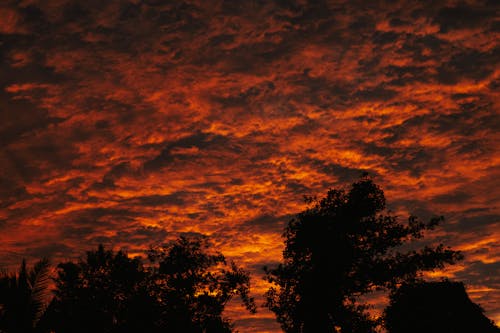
(129,122)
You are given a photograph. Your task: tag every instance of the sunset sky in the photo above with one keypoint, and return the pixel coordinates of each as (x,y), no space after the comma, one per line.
(128,122)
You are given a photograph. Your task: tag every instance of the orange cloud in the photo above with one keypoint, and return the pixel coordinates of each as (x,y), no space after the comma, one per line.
(128,122)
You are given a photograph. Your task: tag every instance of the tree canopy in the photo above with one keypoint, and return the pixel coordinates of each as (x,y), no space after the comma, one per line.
(194,284)
(183,288)
(343,246)
(99,293)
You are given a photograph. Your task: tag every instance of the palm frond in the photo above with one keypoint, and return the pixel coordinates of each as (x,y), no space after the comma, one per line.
(39,280)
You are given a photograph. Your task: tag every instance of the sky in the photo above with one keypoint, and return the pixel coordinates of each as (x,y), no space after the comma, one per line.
(128,122)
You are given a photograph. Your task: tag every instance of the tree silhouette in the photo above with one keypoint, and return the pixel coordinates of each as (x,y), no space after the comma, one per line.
(194,285)
(183,288)
(99,292)
(343,246)
(435,307)
(23,297)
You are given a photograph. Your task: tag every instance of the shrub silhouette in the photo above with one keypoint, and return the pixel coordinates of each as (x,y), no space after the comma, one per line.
(342,247)
(435,307)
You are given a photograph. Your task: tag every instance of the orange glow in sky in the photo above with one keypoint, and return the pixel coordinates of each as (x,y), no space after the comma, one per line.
(128,122)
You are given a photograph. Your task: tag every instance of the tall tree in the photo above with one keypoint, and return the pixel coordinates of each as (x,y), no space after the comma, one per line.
(343,246)
(23,297)
(435,307)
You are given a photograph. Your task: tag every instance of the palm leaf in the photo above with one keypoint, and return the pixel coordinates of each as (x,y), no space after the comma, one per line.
(39,280)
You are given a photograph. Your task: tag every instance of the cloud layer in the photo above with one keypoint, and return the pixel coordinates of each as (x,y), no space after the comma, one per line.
(127,122)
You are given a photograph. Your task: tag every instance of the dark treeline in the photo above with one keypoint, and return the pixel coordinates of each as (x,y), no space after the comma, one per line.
(183,288)
(343,246)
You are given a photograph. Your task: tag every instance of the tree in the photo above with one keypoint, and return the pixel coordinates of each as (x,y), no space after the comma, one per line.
(183,288)
(23,297)
(343,246)
(435,307)
(105,292)
(194,284)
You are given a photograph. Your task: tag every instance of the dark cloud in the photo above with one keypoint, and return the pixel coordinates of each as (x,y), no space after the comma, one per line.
(199,141)
(267,223)
(375,94)
(83,224)
(476,223)
(464,16)
(488,271)
(177,199)
(50,250)
(12,191)
(140,237)
(455,197)
(470,64)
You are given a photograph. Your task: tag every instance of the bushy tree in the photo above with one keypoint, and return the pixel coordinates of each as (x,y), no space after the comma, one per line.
(194,284)
(343,246)
(435,307)
(183,288)
(100,292)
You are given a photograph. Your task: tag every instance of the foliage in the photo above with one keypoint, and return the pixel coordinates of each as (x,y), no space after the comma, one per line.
(194,286)
(23,297)
(98,293)
(343,246)
(435,307)
(184,289)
